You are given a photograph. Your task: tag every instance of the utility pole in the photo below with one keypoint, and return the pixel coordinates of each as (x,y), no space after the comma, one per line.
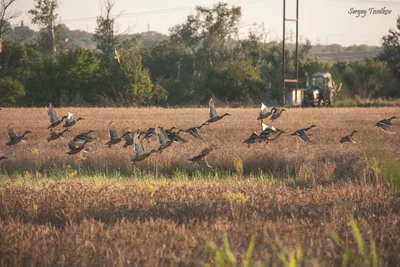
(53,36)
(284,80)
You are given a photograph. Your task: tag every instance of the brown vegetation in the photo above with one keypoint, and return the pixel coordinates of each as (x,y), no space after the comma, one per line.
(120,223)
(282,157)
(288,192)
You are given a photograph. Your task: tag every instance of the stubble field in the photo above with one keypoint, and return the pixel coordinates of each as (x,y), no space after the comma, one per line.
(97,209)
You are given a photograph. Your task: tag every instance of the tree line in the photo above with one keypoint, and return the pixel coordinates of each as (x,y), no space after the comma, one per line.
(203,56)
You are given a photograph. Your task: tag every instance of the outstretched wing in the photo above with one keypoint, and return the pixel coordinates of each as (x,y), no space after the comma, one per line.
(162,138)
(113,133)
(137,146)
(72,145)
(263,109)
(213,110)
(52,114)
(11,133)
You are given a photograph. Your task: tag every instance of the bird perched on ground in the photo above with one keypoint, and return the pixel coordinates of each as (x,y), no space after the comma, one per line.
(75,148)
(348,138)
(114,136)
(213,113)
(139,151)
(202,156)
(3,157)
(70,121)
(162,139)
(13,138)
(54,135)
(84,137)
(277,113)
(252,139)
(128,137)
(148,134)
(302,135)
(54,121)
(264,113)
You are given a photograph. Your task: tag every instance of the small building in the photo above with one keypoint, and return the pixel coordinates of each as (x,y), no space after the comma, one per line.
(291,97)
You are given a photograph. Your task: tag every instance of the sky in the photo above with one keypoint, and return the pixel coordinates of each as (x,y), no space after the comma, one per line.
(321,21)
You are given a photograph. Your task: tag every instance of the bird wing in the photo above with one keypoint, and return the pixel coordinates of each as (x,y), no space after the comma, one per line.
(11,133)
(72,145)
(263,109)
(137,146)
(113,133)
(52,114)
(264,127)
(213,110)
(384,126)
(162,138)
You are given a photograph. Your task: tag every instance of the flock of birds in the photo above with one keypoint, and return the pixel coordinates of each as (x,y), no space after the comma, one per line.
(166,137)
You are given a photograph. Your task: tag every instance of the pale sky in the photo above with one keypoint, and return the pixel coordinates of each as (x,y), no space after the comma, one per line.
(323,21)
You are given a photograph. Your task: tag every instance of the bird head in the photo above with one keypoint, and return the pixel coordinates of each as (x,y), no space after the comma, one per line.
(63,118)
(28,132)
(80,119)
(313,126)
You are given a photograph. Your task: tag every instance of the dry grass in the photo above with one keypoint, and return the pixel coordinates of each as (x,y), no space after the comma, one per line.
(120,223)
(96,209)
(284,157)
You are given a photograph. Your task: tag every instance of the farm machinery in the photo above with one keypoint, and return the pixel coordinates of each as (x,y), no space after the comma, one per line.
(320,90)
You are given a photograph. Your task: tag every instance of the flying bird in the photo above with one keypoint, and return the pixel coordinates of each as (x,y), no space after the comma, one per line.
(162,139)
(202,156)
(82,137)
(54,121)
(114,136)
(277,113)
(117,56)
(128,137)
(302,134)
(54,135)
(75,148)
(348,138)
(70,121)
(384,127)
(213,113)
(13,138)
(139,150)
(264,113)
(252,139)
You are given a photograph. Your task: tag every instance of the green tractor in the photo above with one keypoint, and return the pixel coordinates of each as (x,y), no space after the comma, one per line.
(320,90)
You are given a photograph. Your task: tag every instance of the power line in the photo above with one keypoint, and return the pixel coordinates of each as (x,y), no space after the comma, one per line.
(369,1)
(148,12)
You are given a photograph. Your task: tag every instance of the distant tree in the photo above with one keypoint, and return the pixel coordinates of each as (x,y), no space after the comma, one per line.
(44,14)
(78,72)
(391,55)
(104,35)
(139,88)
(238,80)
(366,78)
(10,91)
(6,16)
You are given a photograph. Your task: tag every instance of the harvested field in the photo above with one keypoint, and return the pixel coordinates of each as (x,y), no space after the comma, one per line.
(96,209)
(285,156)
(163,223)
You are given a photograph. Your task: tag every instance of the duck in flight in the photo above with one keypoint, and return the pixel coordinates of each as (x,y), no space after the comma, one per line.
(13,138)
(139,151)
(348,138)
(214,117)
